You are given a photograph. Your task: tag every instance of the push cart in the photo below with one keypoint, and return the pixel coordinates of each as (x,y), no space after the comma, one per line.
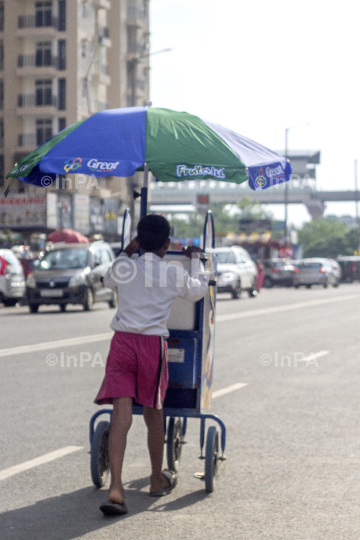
(191,361)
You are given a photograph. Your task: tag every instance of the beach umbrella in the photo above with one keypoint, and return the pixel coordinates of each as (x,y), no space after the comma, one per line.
(174,146)
(67,235)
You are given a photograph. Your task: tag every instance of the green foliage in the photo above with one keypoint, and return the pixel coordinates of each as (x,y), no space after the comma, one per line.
(326,237)
(225,221)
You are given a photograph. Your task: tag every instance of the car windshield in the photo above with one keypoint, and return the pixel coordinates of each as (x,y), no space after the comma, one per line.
(310,265)
(279,264)
(64,259)
(225,257)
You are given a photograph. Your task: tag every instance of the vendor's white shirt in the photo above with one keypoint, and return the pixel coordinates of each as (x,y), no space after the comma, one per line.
(146,287)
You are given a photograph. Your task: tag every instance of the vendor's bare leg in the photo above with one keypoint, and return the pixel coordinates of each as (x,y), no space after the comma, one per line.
(120,425)
(154,421)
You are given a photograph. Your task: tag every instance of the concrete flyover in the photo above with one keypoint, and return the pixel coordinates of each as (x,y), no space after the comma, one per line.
(299,192)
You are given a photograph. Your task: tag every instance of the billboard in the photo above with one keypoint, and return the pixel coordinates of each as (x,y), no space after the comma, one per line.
(23,211)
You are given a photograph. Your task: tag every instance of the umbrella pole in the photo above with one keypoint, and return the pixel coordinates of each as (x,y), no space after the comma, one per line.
(144,192)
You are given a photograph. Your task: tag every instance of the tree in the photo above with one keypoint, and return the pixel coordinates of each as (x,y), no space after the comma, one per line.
(226,221)
(326,237)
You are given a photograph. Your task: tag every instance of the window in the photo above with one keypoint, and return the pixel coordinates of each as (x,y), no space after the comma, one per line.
(62,94)
(43,130)
(61,54)
(1,133)
(1,171)
(132,39)
(1,94)
(62,15)
(61,124)
(1,16)
(43,93)
(43,56)
(43,14)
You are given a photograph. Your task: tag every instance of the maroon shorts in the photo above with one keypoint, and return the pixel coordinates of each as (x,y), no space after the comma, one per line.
(136,367)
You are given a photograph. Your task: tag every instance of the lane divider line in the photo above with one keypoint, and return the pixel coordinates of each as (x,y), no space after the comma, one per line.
(228,389)
(46,458)
(24,349)
(279,309)
(55,344)
(313,356)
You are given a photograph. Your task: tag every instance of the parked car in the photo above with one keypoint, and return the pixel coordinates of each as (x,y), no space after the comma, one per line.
(278,272)
(116,247)
(315,271)
(12,279)
(337,269)
(350,268)
(71,274)
(236,271)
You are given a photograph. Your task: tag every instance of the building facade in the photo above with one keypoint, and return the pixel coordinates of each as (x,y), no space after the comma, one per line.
(61,61)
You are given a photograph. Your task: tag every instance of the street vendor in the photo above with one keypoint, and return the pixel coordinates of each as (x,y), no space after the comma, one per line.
(136,367)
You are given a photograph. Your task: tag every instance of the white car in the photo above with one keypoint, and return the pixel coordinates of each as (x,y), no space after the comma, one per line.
(236,271)
(12,280)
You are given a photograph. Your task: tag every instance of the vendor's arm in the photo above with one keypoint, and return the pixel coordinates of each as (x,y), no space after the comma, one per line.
(110,276)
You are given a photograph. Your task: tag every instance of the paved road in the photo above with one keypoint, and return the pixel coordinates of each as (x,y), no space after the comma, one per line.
(293,431)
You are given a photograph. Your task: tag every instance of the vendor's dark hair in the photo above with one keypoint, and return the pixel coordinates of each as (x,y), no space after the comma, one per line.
(153,230)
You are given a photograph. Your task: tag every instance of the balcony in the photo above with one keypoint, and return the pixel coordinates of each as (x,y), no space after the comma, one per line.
(134,13)
(27,65)
(101,76)
(104,36)
(102,4)
(29,104)
(30,26)
(27,141)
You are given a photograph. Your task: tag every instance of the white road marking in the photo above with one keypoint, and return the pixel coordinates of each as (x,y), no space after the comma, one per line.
(314,356)
(24,349)
(228,389)
(6,473)
(279,309)
(55,344)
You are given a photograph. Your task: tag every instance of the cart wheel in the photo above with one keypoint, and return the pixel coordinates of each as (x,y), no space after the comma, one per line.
(174,443)
(211,458)
(99,463)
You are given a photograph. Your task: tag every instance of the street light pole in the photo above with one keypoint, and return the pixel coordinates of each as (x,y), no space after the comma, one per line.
(133,65)
(286,191)
(357,224)
(286,195)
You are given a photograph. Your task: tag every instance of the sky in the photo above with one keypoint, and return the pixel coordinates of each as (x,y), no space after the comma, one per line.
(260,66)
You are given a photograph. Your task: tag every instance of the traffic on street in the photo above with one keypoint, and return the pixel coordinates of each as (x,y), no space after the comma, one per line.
(289,400)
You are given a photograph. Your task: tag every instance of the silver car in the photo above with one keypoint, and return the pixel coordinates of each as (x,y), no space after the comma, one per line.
(236,271)
(316,271)
(12,280)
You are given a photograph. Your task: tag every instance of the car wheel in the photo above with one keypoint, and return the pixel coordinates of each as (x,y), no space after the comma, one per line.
(112,302)
(89,300)
(33,308)
(268,282)
(253,292)
(10,302)
(326,283)
(62,308)
(236,292)
(296,286)
(337,283)
(308,286)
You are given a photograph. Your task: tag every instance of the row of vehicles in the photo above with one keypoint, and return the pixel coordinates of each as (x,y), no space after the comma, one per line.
(71,274)
(66,274)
